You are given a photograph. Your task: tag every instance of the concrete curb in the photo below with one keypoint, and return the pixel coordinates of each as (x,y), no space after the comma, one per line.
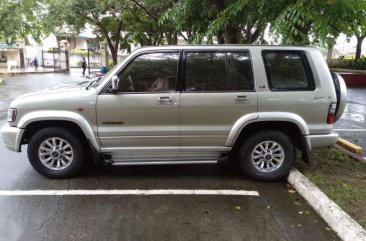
(349,145)
(353,155)
(356,71)
(346,228)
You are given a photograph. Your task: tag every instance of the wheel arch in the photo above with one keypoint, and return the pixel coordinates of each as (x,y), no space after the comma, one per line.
(291,124)
(35,121)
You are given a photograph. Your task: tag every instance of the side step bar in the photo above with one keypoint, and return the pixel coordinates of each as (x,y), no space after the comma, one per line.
(171,161)
(131,163)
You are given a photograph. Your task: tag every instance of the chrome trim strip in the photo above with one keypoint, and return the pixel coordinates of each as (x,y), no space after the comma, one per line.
(171,148)
(162,136)
(129,163)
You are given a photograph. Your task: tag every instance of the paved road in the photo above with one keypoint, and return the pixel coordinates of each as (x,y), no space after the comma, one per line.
(352,125)
(276,214)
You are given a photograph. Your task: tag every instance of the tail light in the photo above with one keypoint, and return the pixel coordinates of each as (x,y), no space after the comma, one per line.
(331,113)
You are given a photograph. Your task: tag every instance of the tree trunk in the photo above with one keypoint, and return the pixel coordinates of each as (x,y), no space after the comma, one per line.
(359,46)
(230,35)
(112,48)
(329,54)
(175,38)
(114,56)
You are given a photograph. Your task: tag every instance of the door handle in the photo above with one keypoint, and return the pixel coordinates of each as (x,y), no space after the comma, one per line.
(241,99)
(165,100)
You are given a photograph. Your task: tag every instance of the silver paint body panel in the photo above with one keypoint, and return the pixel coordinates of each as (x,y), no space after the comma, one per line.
(134,128)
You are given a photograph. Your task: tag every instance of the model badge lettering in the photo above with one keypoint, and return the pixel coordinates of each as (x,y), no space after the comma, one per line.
(113,123)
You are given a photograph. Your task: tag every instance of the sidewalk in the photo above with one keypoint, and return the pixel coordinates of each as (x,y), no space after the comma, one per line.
(28,70)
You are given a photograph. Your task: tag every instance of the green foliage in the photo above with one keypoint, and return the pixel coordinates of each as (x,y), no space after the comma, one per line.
(145,26)
(191,17)
(322,20)
(355,19)
(78,52)
(341,178)
(228,21)
(157,22)
(20,19)
(348,64)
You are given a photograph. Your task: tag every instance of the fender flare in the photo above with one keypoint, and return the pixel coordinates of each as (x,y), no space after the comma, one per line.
(61,116)
(242,122)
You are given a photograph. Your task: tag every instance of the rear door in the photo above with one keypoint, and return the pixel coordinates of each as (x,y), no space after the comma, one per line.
(218,90)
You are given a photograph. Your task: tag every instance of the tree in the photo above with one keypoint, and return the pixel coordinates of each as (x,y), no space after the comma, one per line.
(104,16)
(144,24)
(321,20)
(190,18)
(355,24)
(229,21)
(20,19)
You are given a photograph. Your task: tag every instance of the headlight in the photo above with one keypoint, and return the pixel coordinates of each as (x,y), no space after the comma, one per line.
(12,114)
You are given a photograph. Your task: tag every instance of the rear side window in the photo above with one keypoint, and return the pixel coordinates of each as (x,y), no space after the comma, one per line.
(218,71)
(288,70)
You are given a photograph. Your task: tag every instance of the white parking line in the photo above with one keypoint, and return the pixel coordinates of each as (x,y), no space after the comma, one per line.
(357,130)
(128,192)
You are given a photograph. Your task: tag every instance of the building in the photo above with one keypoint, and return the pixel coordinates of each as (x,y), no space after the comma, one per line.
(13,55)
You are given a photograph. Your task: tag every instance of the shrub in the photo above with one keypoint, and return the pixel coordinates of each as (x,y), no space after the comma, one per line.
(348,64)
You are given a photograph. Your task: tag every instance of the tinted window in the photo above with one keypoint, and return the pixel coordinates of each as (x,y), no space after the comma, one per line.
(240,71)
(206,71)
(287,70)
(153,72)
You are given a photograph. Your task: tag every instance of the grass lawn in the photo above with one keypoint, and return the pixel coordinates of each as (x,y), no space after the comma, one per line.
(341,178)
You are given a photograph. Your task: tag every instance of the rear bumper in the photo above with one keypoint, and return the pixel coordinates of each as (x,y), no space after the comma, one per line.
(322,140)
(12,137)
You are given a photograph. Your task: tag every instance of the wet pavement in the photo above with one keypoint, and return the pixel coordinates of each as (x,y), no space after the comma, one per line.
(352,125)
(276,214)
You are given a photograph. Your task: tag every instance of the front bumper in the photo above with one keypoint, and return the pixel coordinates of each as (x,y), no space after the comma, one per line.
(12,137)
(322,140)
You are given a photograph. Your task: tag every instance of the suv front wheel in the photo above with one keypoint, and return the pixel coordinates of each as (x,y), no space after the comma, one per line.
(55,152)
(267,155)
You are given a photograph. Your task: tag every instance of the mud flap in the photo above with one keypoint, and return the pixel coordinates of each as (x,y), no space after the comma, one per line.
(305,150)
(97,157)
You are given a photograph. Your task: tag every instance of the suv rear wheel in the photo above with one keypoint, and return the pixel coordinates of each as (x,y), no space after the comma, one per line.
(55,152)
(267,155)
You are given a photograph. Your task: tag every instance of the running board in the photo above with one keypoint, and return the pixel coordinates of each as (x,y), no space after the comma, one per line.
(163,161)
(136,163)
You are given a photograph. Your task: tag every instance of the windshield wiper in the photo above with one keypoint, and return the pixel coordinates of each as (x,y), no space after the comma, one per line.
(96,80)
(92,82)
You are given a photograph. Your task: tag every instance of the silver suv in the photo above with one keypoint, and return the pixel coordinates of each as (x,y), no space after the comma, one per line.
(185,105)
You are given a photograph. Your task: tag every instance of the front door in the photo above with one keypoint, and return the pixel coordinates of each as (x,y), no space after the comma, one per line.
(145,111)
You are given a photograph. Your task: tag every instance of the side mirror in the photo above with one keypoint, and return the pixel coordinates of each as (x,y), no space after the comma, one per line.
(115,83)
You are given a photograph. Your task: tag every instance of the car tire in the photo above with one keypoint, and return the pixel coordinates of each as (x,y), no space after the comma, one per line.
(267,155)
(55,152)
